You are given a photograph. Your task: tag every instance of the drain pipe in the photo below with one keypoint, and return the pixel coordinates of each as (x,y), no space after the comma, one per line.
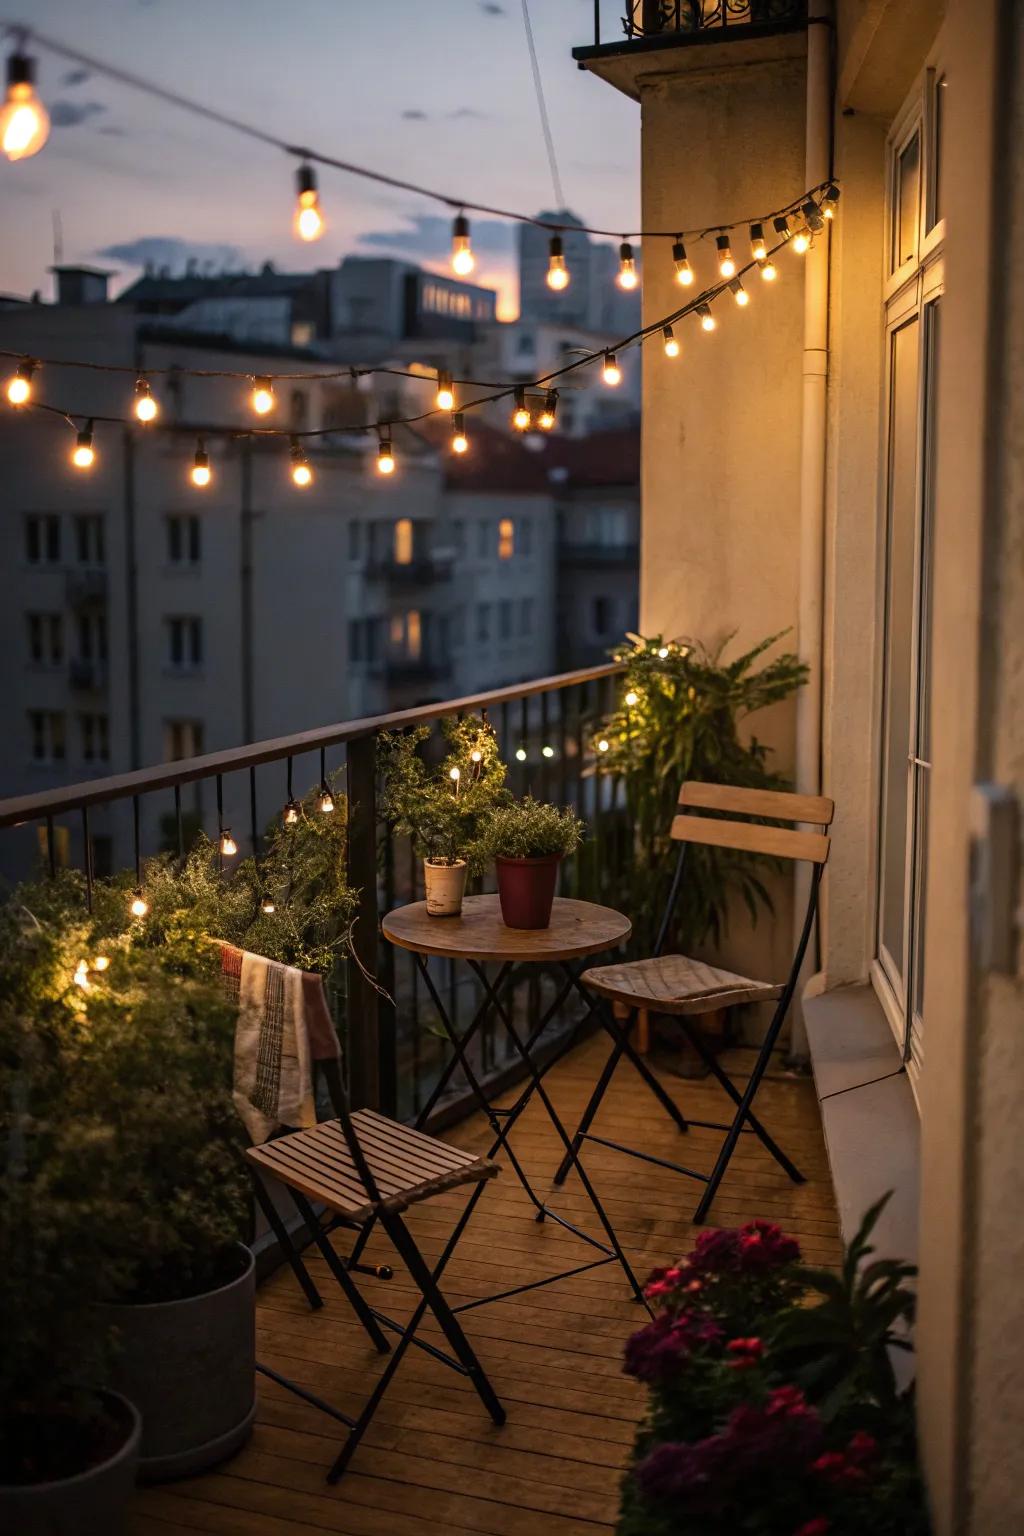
(818,156)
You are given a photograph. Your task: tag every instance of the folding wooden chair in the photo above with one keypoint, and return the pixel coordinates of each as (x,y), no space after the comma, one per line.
(366,1168)
(685,988)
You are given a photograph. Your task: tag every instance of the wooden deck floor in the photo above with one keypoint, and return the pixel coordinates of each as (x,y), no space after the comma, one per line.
(432,1461)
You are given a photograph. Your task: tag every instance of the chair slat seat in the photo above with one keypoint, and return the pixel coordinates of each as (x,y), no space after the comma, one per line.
(407,1165)
(676,984)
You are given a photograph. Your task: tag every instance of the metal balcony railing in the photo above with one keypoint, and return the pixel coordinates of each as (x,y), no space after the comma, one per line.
(663,23)
(423,571)
(393,1049)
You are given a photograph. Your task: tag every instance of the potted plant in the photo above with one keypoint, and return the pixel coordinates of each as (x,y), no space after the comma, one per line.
(443,806)
(528,841)
(68,1447)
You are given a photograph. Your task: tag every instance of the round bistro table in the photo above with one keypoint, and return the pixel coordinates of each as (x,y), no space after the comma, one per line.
(480,938)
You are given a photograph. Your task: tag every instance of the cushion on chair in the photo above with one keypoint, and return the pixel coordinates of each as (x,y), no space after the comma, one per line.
(676,984)
(407,1165)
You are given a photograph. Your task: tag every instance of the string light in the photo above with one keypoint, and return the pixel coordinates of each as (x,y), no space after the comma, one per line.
(139,906)
(228,846)
(707,319)
(672,348)
(769,271)
(146,408)
(758,248)
(812,213)
(460,442)
(385,457)
(547,751)
(83,455)
(445,397)
(267,905)
(201,473)
(739,293)
(662,652)
(326,799)
(611,373)
(24,121)
(521,417)
(781,227)
(302,473)
(455,774)
(290,814)
(546,419)
(726,264)
(463,260)
(802,241)
(829,201)
(627,278)
(520,754)
(19,387)
(262,397)
(632,697)
(684,272)
(558,272)
(603,744)
(309,221)
(476,756)
(101,963)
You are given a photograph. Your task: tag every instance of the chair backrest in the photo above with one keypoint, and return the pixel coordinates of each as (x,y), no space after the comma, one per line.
(753,837)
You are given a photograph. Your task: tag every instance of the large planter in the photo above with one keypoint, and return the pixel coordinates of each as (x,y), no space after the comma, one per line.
(190,1368)
(90,1502)
(526,890)
(445,886)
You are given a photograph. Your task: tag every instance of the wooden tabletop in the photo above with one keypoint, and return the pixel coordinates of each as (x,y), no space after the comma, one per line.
(577,928)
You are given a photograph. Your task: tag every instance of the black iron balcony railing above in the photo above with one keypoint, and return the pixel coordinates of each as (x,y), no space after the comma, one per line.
(422,571)
(665,23)
(393,1046)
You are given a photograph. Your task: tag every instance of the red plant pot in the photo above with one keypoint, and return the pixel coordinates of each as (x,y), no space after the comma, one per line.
(526,890)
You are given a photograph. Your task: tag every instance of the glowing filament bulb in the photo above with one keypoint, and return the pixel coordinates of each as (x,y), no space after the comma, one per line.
(726,264)
(603,744)
(829,201)
(460,442)
(684,272)
(758,249)
(547,751)
(146,408)
(707,319)
(463,260)
(101,963)
(672,348)
(546,418)
(627,278)
(201,473)
(520,754)
(662,652)
(769,271)
(228,846)
(521,417)
(812,213)
(24,121)
(445,397)
(309,221)
(385,457)
(611,373)
(739,293)
(781,227)
(302,474)
(267,905)
(262,396)
(802,241)
(81,977)
(290,815)
(139,906)
(19,388)
(326,800)
(632,697)
(476,756)
(83,455)
(455,774)
(558,273)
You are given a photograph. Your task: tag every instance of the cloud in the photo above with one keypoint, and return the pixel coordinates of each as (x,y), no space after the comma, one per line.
(69,114)
(430,236)
(75,77)
(169,251)
(414,115)
(466,112)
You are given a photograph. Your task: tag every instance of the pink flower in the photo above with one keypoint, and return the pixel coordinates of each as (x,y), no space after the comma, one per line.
(862,1448)
(746,1353)
(830,1465)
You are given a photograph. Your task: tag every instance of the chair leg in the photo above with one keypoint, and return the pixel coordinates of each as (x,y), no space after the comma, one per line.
(600,1089)
(643,1031)
(696,1039)
(341,1274)
(284,1242)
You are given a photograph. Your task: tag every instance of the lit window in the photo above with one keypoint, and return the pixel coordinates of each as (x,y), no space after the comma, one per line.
(506,539)
(182,738)
(413,635)
(403,545)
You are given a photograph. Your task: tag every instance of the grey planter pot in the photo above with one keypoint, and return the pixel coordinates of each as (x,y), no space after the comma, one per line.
(190,1368)
(92,1501)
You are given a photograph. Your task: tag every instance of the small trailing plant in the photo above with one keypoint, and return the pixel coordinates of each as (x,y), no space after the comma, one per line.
(686,718)
(443,806)
(769,1416)
(530,829)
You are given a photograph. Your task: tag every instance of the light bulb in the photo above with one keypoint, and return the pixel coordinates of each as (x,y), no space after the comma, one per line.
(302,474)
(558,273)
(139,906)
(707,319)
(19,387)
(520,754)
(829,201)
(201,473)
(611,373)
(812,213)
(781,227)
(445,397)
(769,271)
(802,241)
(267,905)
(228,846)
(632,697)
(627,277)
(603,744)
(726,264)
(476,756)
(290,814)
(326,800)
(101,963)
(385,457)
(262,397)
(455,774)
(547,751)
(146,408)
(739,293)
(521,417)
(83,455)
(463,260)
(662,651)
(309,222)
(672,348)
(460,442)
(546,418)
(758,249)
(24,121)
(684,272)
(81,977)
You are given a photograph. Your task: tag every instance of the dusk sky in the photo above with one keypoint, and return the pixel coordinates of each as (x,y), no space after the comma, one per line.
(434,91)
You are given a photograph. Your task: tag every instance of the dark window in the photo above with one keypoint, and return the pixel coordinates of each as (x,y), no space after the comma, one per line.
(46,638)
(42,538)
(89,539)
(505,618)
(184,541)
(92,636)
(355,539)
(526,615)
(46,735)
(483,621)
(601,616)
(95,738)
(185,643)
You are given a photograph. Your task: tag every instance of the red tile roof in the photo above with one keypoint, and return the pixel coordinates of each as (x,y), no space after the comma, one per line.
(500,461)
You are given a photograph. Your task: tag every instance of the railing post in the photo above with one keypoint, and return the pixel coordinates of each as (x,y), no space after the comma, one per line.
(370,1087)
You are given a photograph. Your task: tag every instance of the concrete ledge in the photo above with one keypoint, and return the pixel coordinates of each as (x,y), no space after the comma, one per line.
(870,1120)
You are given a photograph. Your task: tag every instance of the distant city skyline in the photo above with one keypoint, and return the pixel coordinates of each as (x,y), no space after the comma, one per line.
(440,94)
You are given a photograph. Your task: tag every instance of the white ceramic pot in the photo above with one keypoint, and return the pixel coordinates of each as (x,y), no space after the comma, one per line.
(446,886)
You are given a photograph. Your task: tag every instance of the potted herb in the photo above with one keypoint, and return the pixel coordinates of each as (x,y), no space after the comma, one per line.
(443,806)
(528,841)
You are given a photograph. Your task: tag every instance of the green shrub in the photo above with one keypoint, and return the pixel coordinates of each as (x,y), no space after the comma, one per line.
(528,829)
(442,807)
